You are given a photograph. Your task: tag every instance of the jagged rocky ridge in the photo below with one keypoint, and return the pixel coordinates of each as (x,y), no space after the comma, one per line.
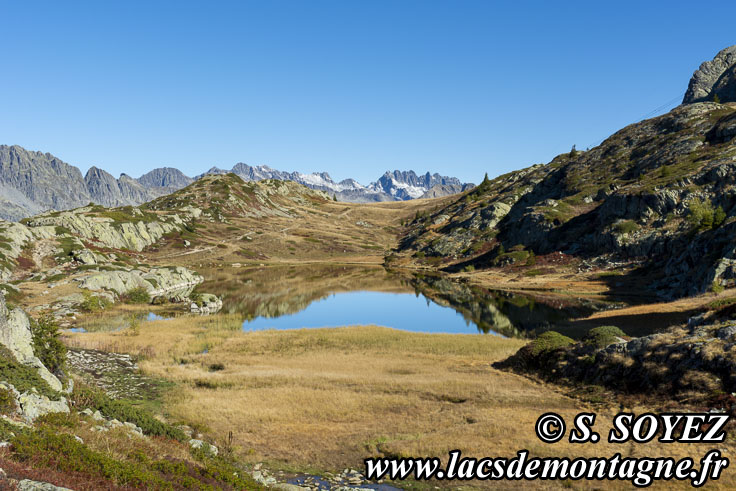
(660,194)
(392,186)
(35,182)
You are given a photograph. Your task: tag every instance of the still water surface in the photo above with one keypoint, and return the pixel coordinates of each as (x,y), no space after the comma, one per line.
(291,297)
(405,311)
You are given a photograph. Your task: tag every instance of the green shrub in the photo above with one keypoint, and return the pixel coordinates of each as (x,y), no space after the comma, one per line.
(55,277)
(701,214)
(8,404)
(46,343)
(723,302)
(8,430)
(46,448)
(716,287)
(22,377)
(548,342)
(136,295)
(93,303)
(513,257)
(123,410)
(602,336)
(719,216)
(58,420)
(626,227)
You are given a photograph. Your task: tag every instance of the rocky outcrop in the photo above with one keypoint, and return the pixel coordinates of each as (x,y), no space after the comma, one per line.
(694,361)
(33,405)
(15,335)
(206,304)
(716,77)
(13,237)
(158,282)
(135,234)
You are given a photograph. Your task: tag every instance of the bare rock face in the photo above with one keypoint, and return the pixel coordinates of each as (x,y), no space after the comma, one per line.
(714,78)
(34,182)
(15,334)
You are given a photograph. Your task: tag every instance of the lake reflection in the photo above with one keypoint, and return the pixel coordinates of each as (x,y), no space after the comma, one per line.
(291,297)
(405,311)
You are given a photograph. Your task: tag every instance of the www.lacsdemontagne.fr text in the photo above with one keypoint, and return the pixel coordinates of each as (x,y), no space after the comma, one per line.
(640,471)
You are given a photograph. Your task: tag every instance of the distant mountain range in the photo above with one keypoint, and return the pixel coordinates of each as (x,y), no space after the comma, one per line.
(33,182)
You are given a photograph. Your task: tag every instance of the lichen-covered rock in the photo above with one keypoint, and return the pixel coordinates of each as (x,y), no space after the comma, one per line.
(206,447)
(158,282)
(15,335)
(206,304)
(34,405)
(85,256)
(29,485)
(31,405)
(135,235)
(13,237)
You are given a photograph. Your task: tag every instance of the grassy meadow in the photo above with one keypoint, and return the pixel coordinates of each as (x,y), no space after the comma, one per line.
(324,399)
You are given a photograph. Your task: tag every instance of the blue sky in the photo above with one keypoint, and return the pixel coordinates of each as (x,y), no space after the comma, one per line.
(349,87)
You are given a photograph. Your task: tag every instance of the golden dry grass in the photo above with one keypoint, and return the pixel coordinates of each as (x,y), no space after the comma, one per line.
(328,398)
(358,233)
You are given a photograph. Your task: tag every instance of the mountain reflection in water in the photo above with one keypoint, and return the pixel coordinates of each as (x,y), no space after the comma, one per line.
(293,297)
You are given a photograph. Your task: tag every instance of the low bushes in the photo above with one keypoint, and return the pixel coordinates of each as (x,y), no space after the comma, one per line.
(138,295)
(122,410)
(22,377)
(602,336)
(93,303)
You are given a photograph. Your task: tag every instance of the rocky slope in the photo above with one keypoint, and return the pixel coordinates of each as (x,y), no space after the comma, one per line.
(33,182)
(659,194)
(694,363)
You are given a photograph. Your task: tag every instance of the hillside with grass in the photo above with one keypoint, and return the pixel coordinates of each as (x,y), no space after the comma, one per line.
(657,196)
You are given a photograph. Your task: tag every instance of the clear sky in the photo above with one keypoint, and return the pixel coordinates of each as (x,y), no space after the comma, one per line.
(353,88)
